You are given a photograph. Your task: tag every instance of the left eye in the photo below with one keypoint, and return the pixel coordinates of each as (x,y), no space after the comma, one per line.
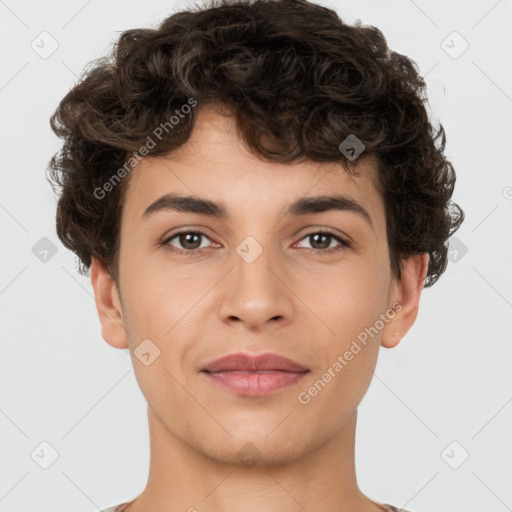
(326,235)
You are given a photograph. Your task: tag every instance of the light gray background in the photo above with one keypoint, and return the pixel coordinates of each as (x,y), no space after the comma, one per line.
(449,380)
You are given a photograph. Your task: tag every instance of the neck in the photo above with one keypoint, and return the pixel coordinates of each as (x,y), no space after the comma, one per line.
(182,478)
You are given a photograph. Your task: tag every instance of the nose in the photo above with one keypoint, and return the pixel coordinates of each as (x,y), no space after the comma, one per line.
(256,293)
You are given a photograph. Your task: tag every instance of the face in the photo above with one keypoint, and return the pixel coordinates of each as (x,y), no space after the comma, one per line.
(303,284)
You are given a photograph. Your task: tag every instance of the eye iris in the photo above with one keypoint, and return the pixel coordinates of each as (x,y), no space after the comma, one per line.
(316,236)
(185,240)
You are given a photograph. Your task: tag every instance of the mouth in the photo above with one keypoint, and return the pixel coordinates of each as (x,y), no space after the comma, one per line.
(254,374)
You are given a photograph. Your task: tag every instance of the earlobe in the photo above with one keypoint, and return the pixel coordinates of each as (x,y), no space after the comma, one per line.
(108,305)
(408,291)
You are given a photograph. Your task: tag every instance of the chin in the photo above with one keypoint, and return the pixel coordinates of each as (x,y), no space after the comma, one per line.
(254,447)
(253,455)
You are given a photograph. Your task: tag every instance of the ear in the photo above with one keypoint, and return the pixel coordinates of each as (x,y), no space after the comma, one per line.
(406,292)
(108,305)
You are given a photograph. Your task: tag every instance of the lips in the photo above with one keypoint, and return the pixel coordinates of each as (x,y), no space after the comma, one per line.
(241,362)
(256,376)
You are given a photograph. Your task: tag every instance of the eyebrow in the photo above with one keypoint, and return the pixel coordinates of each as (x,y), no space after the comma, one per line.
(303,206)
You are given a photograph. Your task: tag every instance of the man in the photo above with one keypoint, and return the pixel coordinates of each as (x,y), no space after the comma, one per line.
(258,194)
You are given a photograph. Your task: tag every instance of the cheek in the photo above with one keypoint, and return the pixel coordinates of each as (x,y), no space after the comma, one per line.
(157,295)
(351,299)
(164,306)
(350,348)
(349,335)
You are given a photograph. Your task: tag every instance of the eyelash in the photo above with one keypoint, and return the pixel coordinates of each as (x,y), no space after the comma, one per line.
(193,252)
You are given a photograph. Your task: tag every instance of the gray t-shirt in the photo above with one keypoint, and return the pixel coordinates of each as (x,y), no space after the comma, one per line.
(390,508)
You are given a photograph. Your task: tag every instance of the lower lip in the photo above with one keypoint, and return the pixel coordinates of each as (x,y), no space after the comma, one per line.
(255,383)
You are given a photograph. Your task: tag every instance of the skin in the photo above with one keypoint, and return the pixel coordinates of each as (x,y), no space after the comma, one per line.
(290,300)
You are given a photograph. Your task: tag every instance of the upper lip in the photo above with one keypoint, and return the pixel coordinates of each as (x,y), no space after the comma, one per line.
(249,362)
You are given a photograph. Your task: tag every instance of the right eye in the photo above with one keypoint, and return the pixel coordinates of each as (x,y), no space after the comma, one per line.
(188,240)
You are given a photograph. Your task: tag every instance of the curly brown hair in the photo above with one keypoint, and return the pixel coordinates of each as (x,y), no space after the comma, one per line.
(298,81)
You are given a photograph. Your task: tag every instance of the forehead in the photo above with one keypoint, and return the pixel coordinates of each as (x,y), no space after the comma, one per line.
(214,164)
